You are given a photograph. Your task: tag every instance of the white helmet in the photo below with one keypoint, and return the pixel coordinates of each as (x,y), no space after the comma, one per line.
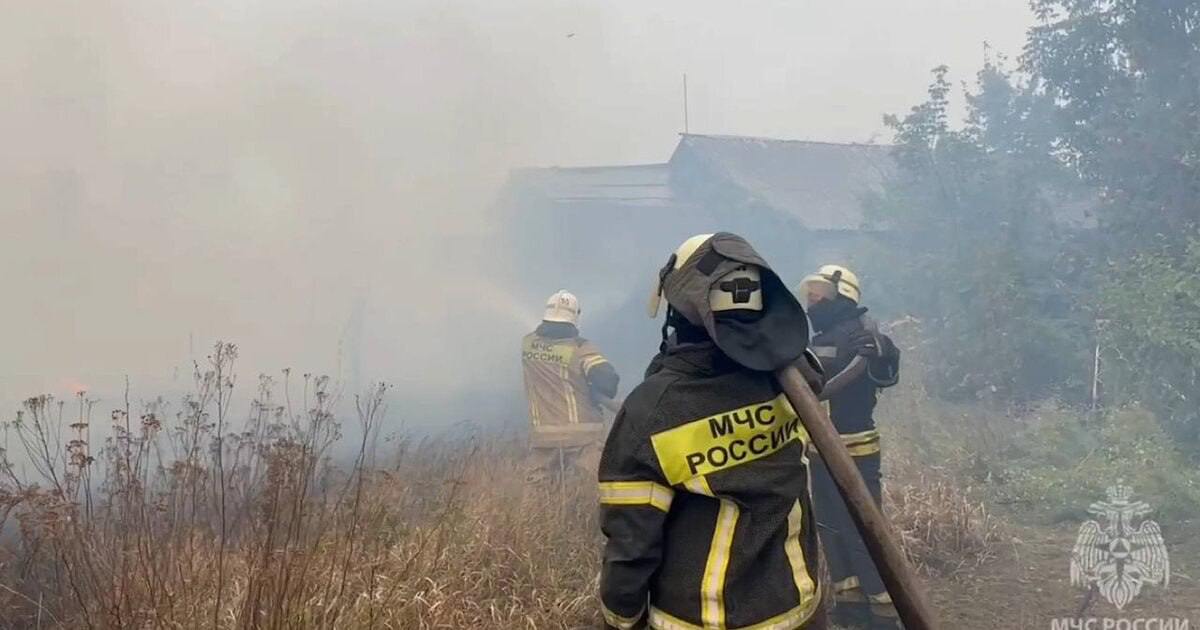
(562,307)
(713,281)
(739,289)
(829,281)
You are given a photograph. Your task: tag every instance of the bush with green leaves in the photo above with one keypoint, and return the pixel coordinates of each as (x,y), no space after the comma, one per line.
(1152,302)
(1061,464)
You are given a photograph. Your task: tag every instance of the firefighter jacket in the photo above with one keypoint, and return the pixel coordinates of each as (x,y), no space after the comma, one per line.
(705,502)
(853,381)
(563,373)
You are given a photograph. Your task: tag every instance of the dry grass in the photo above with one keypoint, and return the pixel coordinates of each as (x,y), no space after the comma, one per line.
(187,519)
(943,529)
(193,522)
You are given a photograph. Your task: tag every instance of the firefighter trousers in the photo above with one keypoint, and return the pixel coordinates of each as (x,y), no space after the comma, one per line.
(856,581)
(548,464)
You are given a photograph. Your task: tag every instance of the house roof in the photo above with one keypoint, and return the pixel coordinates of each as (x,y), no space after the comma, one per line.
(820,184)
(642,184)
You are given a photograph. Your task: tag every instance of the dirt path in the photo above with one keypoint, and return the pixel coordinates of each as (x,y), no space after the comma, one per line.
(1028,586)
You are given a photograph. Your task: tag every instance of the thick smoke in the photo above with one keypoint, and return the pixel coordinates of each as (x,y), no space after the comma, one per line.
(309,181)
(312,180)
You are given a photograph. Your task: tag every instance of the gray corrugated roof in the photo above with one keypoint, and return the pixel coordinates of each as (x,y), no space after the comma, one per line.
(644,184)
(820,184)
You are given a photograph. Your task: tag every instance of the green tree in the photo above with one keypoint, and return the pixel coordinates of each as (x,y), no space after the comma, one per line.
(1125,79)
(980,256)
(1124,76)
(1153,329)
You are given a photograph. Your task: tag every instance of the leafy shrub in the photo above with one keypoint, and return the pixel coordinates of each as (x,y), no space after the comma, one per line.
(1062,464)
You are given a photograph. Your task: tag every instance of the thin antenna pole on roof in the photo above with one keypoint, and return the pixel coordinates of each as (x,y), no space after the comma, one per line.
(685,104)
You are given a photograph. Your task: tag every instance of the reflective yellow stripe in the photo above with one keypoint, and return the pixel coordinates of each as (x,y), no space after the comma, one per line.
(698,485)
(871,435)
(712,586)
(880,598)
(660,620)
(590,362)
(795,553)
(533,410)
(791,620)
(847,584)
(712,595)
(569,390)
(636,493)
(617,621)
(862,450)
(863,443)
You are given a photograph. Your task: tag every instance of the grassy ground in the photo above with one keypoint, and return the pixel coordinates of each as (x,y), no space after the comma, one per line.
(1028,585)
(165,525)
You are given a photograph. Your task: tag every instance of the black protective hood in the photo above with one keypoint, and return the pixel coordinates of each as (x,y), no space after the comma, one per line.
(772,339)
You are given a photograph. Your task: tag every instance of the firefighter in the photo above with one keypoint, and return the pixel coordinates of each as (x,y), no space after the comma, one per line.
(704,477)
(858,361)
(566,382)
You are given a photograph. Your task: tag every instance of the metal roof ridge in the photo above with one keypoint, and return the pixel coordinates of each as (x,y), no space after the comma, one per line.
(594,167)
(712,136)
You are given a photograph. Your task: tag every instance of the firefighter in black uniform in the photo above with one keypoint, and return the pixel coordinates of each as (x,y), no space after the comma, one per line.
(858,361)
(704,476)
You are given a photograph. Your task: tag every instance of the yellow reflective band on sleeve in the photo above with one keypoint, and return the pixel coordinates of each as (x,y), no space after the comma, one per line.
(850,439)
(617,621)
(727,439)
(806,588)
(636,493)
(712,585)
(590,362)
(862,444)
(862,450)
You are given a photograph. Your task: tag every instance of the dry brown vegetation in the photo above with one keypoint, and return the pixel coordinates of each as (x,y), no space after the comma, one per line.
(942,527)
(197,521)
(188,519)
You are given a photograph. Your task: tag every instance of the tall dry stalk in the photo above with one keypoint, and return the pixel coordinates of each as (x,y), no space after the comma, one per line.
(184,517)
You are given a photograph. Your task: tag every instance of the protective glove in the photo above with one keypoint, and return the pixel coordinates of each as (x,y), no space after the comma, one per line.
(866,344)
(884,364)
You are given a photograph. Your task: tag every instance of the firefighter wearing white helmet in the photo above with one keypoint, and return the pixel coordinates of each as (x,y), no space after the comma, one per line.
(566,381)
(859,361)
(704,477)
(830,280)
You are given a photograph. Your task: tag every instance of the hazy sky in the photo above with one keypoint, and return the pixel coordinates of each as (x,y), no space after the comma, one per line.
(242,170)
(809,69)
